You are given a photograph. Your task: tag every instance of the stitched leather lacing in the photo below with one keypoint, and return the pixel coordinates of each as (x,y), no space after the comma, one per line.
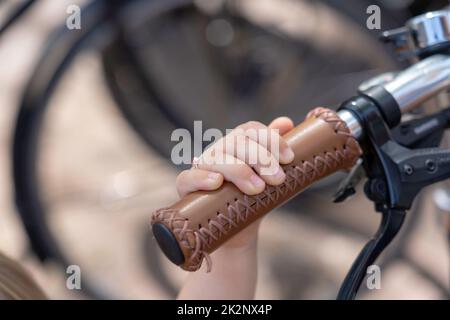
(198,241)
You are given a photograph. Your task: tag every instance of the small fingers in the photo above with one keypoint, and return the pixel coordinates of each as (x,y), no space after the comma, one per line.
(257,157)
(251,147)
(196,179)
(234,170)
(269,137)
(283,124)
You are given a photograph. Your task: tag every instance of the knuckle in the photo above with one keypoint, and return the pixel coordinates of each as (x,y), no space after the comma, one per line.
(242,170)
(254,124)
(182,177)
(208,158)
(275,133)
(241,139)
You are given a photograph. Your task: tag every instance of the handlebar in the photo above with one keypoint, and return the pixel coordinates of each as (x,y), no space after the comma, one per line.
(199,223)
(326,142)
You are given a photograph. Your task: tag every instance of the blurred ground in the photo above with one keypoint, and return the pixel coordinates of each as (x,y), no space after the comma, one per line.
(100,183)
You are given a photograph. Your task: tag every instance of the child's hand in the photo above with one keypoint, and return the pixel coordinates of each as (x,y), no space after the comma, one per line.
(234,271)
(231,159)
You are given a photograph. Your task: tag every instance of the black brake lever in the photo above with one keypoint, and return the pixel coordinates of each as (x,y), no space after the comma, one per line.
(396,174)
(391,222)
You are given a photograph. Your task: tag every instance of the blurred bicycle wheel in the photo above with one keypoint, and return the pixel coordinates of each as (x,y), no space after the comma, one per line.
(85,184)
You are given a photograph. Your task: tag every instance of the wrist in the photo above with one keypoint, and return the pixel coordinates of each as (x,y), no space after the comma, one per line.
(243,241)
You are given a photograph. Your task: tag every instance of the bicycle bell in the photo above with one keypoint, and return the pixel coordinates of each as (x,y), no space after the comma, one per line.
(422,36)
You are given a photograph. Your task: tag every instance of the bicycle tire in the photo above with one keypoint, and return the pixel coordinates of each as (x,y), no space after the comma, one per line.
(61,49)
(26,135)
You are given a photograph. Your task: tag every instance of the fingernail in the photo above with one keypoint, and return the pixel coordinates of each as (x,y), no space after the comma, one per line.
(256,181)
(213,175)
(280,174)
(288,155)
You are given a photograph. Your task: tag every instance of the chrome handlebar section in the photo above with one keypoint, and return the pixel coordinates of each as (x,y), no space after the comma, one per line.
(411,87)
(420,82)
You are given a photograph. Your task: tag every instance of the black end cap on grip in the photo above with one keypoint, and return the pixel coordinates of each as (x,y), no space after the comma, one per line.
(168,243)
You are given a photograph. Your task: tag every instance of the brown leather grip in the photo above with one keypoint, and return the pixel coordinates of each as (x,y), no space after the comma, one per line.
(202,221)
